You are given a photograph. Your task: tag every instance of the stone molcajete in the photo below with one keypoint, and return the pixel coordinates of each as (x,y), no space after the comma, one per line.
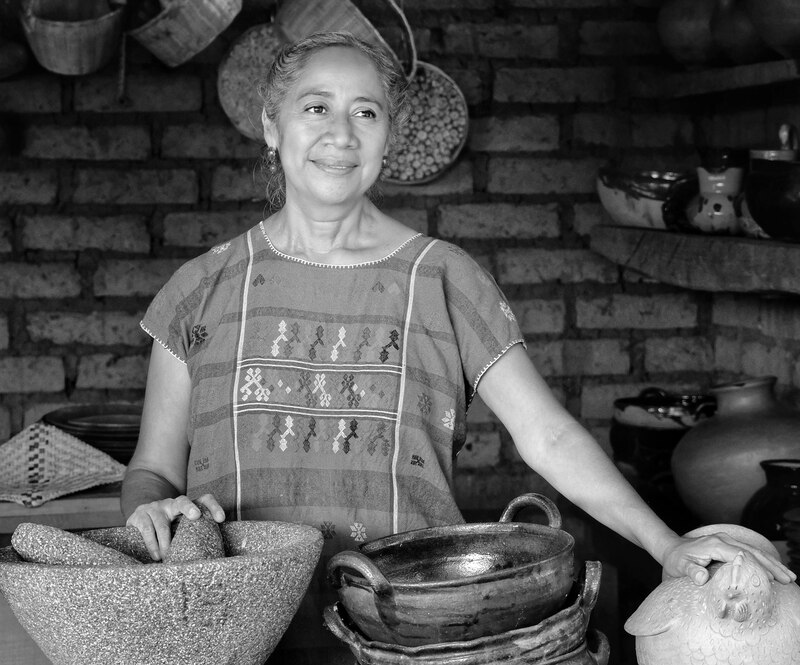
(739,616)
(225,594)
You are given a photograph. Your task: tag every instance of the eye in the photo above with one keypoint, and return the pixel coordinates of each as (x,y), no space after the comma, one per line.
(366,113)
(316,108)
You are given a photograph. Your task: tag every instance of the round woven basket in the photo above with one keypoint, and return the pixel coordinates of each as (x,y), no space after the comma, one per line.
(300,18)
(72,37)
(239,73)
(185,27)
(436,130)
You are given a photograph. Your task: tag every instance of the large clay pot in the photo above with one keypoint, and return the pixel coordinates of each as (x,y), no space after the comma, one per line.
(735,35)
(684,27)
(716,465)
(777,23)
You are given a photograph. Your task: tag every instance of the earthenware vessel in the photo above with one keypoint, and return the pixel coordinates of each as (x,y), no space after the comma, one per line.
(459,582)
(772,192)
(740,615)
(716,465)
(684,27)
(777,23)
(735,35)
(765,510)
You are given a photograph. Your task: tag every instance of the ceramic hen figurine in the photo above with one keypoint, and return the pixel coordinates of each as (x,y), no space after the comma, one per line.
(739,617)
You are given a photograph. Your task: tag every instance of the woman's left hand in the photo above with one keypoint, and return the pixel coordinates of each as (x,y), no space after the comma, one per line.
(691,556)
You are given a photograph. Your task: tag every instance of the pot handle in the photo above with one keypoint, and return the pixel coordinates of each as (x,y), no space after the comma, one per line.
(333,620)
(591,586)
(363,565)
(600,650)
(532,499)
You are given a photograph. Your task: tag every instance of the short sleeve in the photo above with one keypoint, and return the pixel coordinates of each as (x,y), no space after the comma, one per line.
(163,320)
(482,320)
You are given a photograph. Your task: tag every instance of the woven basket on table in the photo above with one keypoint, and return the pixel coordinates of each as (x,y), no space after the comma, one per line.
(300,18)
(72,37)
(185,27)
(436,130)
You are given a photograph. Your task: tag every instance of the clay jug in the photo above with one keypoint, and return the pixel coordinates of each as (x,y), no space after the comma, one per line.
(765,510)
(684,27)
(735,35)
(716,465)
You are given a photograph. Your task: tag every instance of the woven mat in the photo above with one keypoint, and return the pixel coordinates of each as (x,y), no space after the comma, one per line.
(43,462)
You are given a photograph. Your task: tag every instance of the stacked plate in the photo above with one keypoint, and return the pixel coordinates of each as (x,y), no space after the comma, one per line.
(112,428)
(791,529)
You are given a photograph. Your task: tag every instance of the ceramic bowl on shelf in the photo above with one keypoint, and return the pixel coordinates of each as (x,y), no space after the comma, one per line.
(637,198)
(772,193)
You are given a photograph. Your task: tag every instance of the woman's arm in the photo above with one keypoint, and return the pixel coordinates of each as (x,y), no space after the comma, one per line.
(555,445)
(155,481)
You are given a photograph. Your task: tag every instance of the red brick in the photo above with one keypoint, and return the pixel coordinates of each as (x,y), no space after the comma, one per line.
(554,85)
(143,186)
(678,354)
(587,216)
(565,4)
(600,129)
(499,220)
(415,218)
(517,175)
(95,328)
(3,332)
(541,266)
(106,371)
(6,234)
(31,374)
(661,130)
(472,84)
(237,184)
(624,311)
(205,141)
(31,94)
(122,233)
(778,318)
(456,180)
(144,93)
(28,187)
(610,38)
(129,142)
(206,229)
(528,133)
(5,424)
(41,280)
(595,357)
(755,358)
(502,41)
(539,316)
(547,357)
(133,277)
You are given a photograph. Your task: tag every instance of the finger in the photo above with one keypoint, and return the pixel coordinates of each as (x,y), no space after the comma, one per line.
(163,533)
(183,505)
(144,525)
(697,573)
(213,506)
(774,567)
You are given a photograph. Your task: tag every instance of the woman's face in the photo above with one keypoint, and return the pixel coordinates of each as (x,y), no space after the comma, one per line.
(333,128)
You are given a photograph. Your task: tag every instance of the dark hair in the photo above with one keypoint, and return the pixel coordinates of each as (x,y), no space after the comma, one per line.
(284,71)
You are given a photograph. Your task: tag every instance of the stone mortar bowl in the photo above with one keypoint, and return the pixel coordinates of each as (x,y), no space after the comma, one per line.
(230,610)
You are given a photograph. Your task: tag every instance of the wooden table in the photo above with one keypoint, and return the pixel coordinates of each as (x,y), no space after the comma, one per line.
(93,509)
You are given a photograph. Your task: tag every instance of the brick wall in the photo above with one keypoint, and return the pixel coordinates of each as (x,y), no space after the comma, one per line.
(100,201)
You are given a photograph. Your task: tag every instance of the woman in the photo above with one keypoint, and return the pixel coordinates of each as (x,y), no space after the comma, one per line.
(318,368)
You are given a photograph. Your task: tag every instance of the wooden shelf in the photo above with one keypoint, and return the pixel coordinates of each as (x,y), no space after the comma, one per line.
(644,84)
(703,262)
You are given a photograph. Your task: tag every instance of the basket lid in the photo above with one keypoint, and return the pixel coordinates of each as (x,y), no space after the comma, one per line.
(240,71)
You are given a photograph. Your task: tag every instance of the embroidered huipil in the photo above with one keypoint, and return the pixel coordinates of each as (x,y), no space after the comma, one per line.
(333,396)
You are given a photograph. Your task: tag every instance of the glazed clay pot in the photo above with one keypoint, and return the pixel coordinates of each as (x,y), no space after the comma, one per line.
(772,193)
(777,23)
(684,27)
(716,465)
(765,510)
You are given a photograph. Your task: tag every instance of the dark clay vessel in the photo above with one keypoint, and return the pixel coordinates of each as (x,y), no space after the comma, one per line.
(772,192)
(460,582)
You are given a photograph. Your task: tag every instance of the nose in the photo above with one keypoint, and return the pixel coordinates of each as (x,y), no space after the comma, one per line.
(340,131)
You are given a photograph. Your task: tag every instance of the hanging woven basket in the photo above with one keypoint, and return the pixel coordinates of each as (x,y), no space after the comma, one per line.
(300,18)
(436,130)
(185,27)
(72,37)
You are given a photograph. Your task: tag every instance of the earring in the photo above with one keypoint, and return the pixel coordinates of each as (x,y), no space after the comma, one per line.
(384,162)
(272,160)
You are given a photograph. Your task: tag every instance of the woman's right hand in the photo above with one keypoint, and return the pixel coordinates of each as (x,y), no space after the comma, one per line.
(154,520)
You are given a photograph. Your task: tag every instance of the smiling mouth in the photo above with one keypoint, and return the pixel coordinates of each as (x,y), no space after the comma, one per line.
(334,167)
